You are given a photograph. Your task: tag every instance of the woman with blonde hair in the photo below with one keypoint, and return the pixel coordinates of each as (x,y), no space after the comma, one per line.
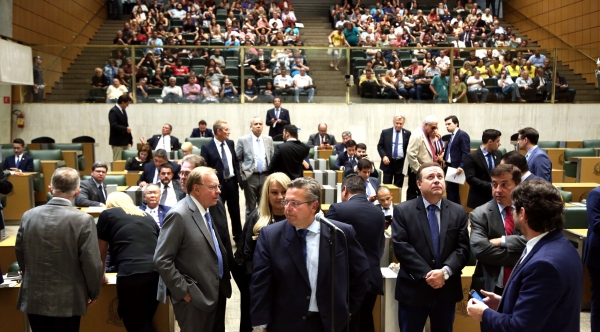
(186,148)
(132,236)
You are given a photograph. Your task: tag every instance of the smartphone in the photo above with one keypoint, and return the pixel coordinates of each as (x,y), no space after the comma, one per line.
(473,293)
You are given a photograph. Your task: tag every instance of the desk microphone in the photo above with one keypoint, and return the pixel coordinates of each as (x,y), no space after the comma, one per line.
(321,218)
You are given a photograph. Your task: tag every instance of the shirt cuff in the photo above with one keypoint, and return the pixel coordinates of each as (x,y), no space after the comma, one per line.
(447,269)
(261,326)
(503,241)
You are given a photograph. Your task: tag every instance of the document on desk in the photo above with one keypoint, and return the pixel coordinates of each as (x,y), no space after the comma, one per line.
(95,209)
(451,176)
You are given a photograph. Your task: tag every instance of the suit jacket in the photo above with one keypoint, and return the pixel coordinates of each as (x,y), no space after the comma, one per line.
(213,159)
(540,165)
(369,225)
(245,154)
(418,152)
(315,140)
(207,133)
(288,158)
(153,141)
(532,177)
(478,177)
(149,169)
(486,224)
(284,115)
(459,149)
(26,164)
(185,247)
(88,196)
(349,169)
(339,148)
(374,182)
(341,160)
(162,212)
(386,140)
(414,249)
(118,128)
(591,250)
(550,277)
(58,283)
(280,288)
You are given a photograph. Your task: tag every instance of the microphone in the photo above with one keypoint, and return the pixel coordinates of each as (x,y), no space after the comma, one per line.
(321,218)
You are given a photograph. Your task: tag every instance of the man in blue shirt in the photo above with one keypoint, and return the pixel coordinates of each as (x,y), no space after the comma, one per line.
(439,87)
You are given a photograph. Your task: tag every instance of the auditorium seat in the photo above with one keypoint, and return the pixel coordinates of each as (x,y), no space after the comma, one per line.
(43,140)
(475,143)
(198,141)
(591,143)
(119,180)
(332,160)
(570,167)
(548,144)
(575,217)
(72,146)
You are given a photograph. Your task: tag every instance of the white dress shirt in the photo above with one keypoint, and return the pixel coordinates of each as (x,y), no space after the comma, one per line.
(400,143)
(171,199)
(164,143)
(154,214)
(530,244)
(313,238)
(258,145)
(228,154)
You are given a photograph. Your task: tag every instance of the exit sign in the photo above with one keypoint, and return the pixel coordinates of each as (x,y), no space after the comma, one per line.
(7,100)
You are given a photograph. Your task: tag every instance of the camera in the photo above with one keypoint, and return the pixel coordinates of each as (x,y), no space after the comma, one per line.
(349,80)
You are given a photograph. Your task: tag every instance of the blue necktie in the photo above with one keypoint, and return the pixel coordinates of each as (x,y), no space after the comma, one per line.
(18,162)
(302,235)
(226,173)
(435,232)
(490,162)
(216,243)
(395,153)
(259,160)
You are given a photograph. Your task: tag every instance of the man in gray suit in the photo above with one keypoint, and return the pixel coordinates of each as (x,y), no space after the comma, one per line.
(57,250)
(190,256)
(254,152)
(93,190)
(321,140)
(495,242)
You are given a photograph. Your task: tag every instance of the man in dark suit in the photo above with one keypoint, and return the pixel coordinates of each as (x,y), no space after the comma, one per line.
(363,169)
(369,225)
(19,162)
(518,160)
(202,131)
(339,148)
(93,190)
(190,256)
(170,189)
(220,155)
(345,156)
(57,249)
(459,146)
(164,141)
(431,242)
(392,150)
(537,159)
(495,242)
(321,140)
(151,170)
(591,254)
(291,287)
(478,165)
(288,157)
(153,206)
(361,153)
(120,133)
(548,275)
(277,118)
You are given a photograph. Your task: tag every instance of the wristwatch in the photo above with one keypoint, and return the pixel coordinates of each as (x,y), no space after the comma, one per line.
(446,274)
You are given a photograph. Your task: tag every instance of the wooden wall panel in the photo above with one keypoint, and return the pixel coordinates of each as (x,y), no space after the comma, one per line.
(563,24)
(64,23)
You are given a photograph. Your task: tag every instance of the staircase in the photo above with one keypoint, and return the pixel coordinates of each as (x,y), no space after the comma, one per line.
(74,86)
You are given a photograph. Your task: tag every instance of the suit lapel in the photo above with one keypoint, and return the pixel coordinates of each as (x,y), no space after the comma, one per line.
(426,143)
(482,161)
(444,220)
(424,222)
(497,222)
(216,152)
(324,259)
(199,220)
(265,150)
(294,249)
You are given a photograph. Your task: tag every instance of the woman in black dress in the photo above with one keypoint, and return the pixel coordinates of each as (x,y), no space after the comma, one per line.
(143,157)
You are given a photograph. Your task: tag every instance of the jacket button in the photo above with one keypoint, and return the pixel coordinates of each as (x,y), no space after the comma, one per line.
(217,262)
(303,317)
(308,297)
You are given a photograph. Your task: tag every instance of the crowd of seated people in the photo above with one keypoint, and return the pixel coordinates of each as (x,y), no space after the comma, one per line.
(389,24)
(167,28)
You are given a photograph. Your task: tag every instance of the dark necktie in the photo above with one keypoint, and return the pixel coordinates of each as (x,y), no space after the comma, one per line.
(449,146)
(18,162)
(302,235)
(226,172)
(435,232)
(509,226)
(395,153)
(101,195)
(163,198)
(216,243)
(490,162)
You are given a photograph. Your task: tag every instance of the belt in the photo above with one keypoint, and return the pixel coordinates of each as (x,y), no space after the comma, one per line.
(398,158)
(257,173)
(313,314)
(229,179)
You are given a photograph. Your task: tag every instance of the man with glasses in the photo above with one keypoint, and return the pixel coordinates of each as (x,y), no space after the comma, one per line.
(418,152)
(93,190)
(291,286)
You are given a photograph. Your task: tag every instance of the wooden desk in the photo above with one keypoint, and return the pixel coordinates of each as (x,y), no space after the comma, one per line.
(325,208)
(131,178)
(340,176)
(71,158)
(579,236)
(12,320)
(48,168)
(579,190)
(21,198)
(323,154)
(558,175)
(463,190)
(90,157)
(588,169)
(7,253)
(557,156)
(308,174)
(573,144)
(118,165)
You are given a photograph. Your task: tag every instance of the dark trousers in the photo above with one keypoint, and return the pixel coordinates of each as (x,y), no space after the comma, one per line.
(413,318)
(219,322)
(452,189)
(394,173)
(137,301)
(242,279)
(412,191)
(369,87)
(231,195)
(491,4)
(40,323)
(362,321)
(595,309)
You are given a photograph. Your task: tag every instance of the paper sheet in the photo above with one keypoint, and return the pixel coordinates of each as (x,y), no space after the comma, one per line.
(451,176)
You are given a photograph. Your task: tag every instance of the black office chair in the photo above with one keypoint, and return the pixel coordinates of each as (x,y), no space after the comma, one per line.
(43,140)
(83,139)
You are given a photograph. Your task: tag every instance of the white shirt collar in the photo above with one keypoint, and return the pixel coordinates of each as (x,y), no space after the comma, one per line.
(217,142)
(525,175)
(531,243)
(198,205)
(315,227)
(438,204)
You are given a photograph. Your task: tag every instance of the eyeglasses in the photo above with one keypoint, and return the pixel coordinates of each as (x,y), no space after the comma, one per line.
(216,187)
(294,204)
(503,185)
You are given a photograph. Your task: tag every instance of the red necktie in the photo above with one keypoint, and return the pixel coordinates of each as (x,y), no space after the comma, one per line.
(509,226)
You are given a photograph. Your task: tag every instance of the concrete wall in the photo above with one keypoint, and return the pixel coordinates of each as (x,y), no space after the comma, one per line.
(6,10)
(66,121)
